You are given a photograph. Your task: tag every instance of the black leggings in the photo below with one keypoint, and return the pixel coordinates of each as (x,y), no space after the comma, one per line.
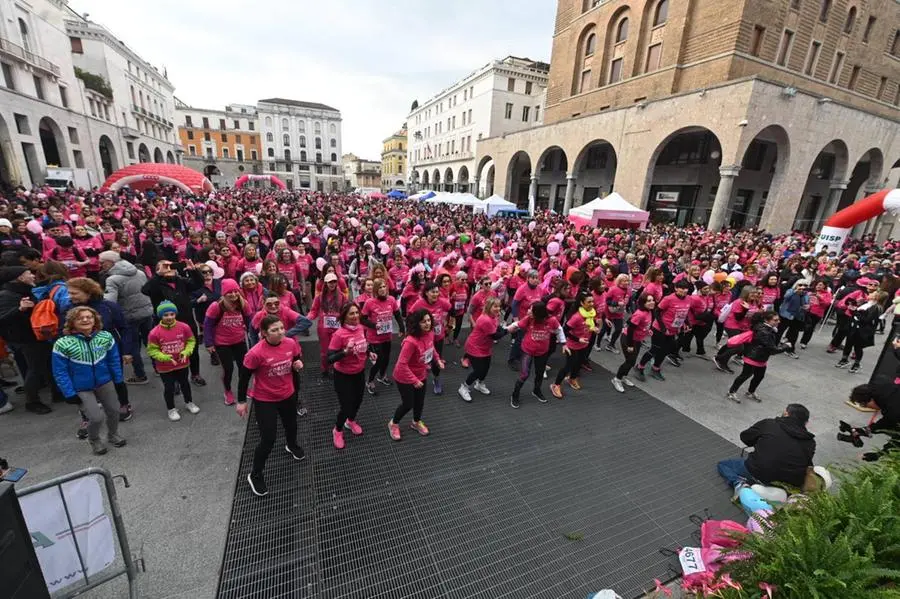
(630,358)
(615,331)
(841,329)
(172,379)
(720,329)
(540,368)
(572,367)
(757,372)
(809,327)
(480,368)
(267,415)
(698,332)
(661,345)
(793,328)
(457,325)
(411,399)
(381,364)
(349,389)
(855,345)
(726,352)
(229,355)
(439,350)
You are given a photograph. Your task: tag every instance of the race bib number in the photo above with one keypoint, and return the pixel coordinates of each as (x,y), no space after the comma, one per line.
(384,327)
(540,334)
(458,306)
(398,283)
(438,329)
(70,264)
(428,356)
(679,319)
(331,322)
(691,561)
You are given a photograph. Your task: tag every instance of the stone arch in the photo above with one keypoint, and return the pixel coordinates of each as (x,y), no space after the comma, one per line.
(613,49)
(211,170)
(398,183)
(462,179)
(143,153)
(551,168)
(518,179)
(53,143)
(646,35)
(8,164)
(484,169)
(825,186)
(109,161)
(425,178)
(436,179)
(594,170)
(448,179)
(585,52)
(764,161)
(170,157)
(683,176)
(158,156)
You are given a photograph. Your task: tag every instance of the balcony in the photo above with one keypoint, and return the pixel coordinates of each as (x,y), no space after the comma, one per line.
(130,133)
(17,52)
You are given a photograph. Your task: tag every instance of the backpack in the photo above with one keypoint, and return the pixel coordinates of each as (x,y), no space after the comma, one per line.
(45,317)
(726,310)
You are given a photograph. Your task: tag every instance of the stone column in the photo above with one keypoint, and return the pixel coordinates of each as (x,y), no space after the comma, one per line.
(478,187)
(860,229)
(727,175)
(532,194)
(829,207)
(570,194)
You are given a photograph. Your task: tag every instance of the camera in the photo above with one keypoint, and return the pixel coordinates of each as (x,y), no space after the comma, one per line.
(852,435)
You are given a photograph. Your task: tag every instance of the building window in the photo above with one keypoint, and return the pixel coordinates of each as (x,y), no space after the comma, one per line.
(795,4)
(537,114)
(284,125)
(287,155)
(881,85)
(75,43)
(38,87)
(8,81)
(239,155)
(92,106)
(823,12)
(206,122)
(654,58)
(333,142)
(585,83)
(302,155)
(224,152)
(237,139)
(851,20)
(895,45)
(286,140)
(253,155)
(784,51)
(526,111)
(270,137)
(63,96)
(318,143)
(271,166)
(528,87)
(302,141)
(590,45)
(268,121)
(270,152)
(129,147)
(190,134)
(622,31)
(252,139)
(73,135)
(251,125)
(192,151)
(854,77)
(106,112)
(868,30)
(319,157)
(333,157)
(209,153)
(332,128)
(615,70)
(206,136)
(897,96)
(811,58)
(237,124)
(836,68)
(661,15)
(224,137)
(221,121)
(301,126)
(759,35)
(511,84)
(23,30)
(187,118)
(508,113)
(317,128)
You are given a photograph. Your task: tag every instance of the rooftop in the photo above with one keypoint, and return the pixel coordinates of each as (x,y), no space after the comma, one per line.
(299,104)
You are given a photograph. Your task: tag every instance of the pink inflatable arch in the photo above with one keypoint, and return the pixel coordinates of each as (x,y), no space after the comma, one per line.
(241,181)
(836,228)
(149,174)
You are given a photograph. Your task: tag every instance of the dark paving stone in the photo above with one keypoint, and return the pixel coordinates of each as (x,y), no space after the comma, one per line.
(482,507)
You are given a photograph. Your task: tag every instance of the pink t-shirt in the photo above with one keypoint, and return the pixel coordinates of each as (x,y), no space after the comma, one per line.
(480,344)
(769,296)
(273,379)
(578,328)
(230,329)
(614,307)
(354,361)
(673,312)
(477,304)
(381,313)
(536,341)
(171,341)
(416,354)
(438,311)
(526,296)
(819,302)
(639,325)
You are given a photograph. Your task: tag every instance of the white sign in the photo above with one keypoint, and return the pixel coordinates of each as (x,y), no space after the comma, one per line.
(691,560)
(54,539)
(667,197)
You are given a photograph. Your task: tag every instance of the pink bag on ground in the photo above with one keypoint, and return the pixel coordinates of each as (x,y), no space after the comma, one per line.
(721,533)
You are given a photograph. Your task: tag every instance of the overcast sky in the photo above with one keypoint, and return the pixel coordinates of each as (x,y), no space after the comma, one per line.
(369,59)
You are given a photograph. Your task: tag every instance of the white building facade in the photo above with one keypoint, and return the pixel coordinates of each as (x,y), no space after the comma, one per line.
(501,97)
(301,144)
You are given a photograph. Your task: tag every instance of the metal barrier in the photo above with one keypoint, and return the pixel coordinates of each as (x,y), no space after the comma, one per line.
(129,568)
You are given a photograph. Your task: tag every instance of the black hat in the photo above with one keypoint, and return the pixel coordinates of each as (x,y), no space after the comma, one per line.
(11,273)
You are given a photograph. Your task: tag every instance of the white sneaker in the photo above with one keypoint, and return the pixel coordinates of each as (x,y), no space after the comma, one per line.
(618,385)
(192,407)
(481,388)
(628,382)
(464,392)
(9,407)
(174,416)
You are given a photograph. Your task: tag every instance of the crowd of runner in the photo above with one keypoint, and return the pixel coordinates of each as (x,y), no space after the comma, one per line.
(91,280)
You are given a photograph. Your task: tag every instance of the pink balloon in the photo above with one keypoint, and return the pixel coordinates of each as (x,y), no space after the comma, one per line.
(708,277)
(532,225)
(354,221)
(738,275)
(379,233)
(320,263)
(559,237)
(553,248)
(35,227)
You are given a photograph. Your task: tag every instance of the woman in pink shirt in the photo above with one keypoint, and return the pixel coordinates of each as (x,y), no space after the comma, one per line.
(459,300)
(347,353)
(819,301)
(439,308)
(378,316)
(613,312)
(537,328)
(636,330)
(326,308)
(274,364)
(579,328)
(417,354)
(225,332)
(480,346)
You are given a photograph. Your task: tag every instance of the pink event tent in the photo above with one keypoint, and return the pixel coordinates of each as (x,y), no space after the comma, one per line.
(611,211)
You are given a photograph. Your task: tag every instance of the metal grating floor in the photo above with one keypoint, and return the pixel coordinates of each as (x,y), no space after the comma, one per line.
(481,508)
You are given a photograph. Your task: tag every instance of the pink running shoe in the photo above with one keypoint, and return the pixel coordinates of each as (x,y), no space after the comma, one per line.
(354,427)
(338,438)
(418,425)
(394,430)
(229,398)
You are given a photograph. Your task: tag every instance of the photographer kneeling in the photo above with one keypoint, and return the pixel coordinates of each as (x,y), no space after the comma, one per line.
(877,396)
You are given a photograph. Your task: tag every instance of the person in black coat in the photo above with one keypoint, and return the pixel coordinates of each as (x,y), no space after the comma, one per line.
(764,327)
(863,322)
(885,397)
(783,450)
(167,284)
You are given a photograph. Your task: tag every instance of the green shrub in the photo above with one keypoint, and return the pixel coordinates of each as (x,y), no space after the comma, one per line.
(94,83)
(842,545)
